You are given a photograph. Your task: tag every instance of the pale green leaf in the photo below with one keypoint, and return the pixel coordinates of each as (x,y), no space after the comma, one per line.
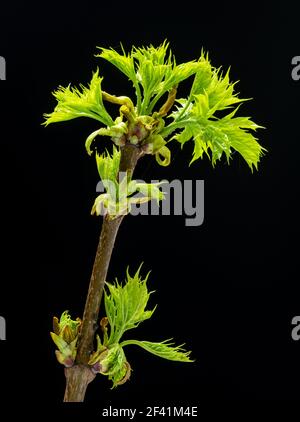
(203,75)
(164,349)
(150,190)
(108,165)
(90,139)
(126,305)
(119,193)
(125,63)
(198,119)
(79,102)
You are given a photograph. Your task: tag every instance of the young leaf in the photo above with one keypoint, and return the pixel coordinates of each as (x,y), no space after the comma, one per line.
(164,349)
(108,165)
(149,190)
(125,63)
(152,67)
(83,102)
(158,73)
(126,305)
(197,117)
(119,193)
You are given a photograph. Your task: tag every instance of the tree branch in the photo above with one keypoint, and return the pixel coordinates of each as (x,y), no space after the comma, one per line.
(79,376)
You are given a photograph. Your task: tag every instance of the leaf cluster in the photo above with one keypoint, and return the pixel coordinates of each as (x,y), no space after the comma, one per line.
(126,308)
(207,116)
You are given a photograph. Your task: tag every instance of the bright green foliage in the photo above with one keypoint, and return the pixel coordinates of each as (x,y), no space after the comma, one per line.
(207,117)
(83,102)
(152,69)
(121,191)
(201,117)
(126,308)
(164,349)
(108,165)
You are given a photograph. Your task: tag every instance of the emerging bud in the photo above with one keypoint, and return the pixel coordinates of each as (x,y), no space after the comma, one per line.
(156,145)
(111,362)
(65,337)
(119,140)
(127,372)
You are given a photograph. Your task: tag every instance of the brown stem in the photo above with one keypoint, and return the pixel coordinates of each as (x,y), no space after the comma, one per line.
(94,296)
(77,379)
(79,376)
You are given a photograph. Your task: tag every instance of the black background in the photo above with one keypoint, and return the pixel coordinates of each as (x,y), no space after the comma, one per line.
(228,288)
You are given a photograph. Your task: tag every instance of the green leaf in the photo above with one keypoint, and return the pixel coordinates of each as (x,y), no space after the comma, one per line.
(167,74)
(125,63)
(203,75)
(149,190)
(60,343)
(153,69)
(67,351)
(90,139)
(246,144)
(152,66)
(119,194)
(83,102)
(198,118)
(177,74)
(186,134)
(108,165)
(164,349)
(111,362)
(116,132)
(222,137)
(126,305)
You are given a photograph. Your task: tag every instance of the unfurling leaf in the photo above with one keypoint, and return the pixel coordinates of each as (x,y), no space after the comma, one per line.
(126,308)
(198,118)
(121,191)
(164,349)
(112,363)
(108,165)
(201,117)
(79,102)
(125,305)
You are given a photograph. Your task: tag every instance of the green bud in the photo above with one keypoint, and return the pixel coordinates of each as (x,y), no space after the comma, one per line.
(111,362)
(65,337)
